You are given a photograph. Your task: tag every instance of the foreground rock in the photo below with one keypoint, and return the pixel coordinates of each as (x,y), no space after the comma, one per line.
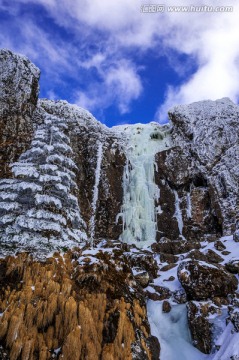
(202,280)
(83,305)
(199,324)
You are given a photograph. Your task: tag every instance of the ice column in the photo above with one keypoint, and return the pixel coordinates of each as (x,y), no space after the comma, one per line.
(96,189)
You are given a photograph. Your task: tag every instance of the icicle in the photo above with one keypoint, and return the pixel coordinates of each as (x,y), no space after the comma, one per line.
(189,205)
(178,213)
(96,190)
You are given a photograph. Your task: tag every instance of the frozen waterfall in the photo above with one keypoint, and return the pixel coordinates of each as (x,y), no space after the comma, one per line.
(140,191)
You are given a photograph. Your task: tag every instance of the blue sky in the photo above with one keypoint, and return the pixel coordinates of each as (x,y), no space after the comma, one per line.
(123,65)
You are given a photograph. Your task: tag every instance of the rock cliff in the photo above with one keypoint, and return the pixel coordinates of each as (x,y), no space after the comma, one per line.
(98,224)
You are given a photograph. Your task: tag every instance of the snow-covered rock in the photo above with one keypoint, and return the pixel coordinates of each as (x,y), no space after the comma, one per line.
(202,280)
(18,97)
(208,133)
(199,316)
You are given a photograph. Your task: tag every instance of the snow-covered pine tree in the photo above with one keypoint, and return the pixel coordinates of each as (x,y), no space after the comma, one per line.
(39,207)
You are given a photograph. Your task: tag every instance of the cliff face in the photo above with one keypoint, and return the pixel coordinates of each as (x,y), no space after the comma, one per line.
(18,98)
(208,133)
(68,183)
(59,155)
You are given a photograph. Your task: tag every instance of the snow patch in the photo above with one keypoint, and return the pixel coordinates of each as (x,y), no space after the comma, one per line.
(172,331)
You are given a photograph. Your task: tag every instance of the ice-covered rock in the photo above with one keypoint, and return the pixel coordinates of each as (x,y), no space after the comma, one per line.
(139,182)
(18,97)
(208,132)
(97,152)
(46,213)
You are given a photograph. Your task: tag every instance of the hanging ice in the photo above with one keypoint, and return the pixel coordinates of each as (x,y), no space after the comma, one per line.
(96,190)
(178,213)
(189,205)
(140,191)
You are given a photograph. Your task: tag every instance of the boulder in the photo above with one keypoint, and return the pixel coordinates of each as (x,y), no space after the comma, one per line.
(200,327)
(233,266)
(175,247)
(166,307)
(143,278)
(213,257)
(202,280)
(197,255)
(236,236)
(161,293)
(219,245)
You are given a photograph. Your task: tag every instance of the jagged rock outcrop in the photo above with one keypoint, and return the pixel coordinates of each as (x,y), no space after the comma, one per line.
(203,165)
(83,305)
(97,151)
(39,208)
(18,98)
(63,181)
(202,280)
(199,324)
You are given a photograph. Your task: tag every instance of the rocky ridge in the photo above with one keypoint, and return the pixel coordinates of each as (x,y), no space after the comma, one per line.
(61,176)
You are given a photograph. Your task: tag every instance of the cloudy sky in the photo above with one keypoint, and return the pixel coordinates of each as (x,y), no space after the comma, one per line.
(123,64)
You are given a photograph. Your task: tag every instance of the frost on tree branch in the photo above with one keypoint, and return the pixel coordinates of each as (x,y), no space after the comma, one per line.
(39,208)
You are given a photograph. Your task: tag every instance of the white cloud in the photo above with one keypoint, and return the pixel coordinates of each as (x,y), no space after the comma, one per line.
(120,86)
(214,42)
(125,83)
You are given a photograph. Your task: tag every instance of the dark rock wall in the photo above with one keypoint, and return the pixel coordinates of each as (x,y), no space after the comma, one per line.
(199,216)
